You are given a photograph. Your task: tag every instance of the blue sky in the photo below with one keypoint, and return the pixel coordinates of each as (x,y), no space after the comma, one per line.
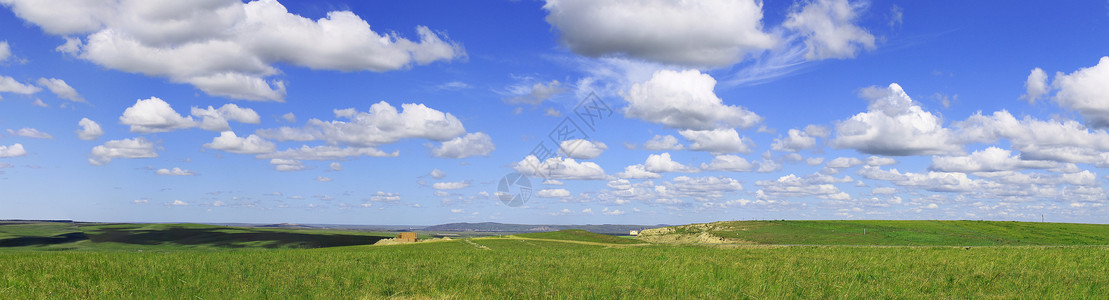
(368,112)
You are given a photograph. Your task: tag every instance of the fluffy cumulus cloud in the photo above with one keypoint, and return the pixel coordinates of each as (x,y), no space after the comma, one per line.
(797,140)
(790,186)
(227,47)
(382,124)
(1062,141)
(230,142)
(125,148)
(154,115)
(61,89)
(287,165)
(684,100)
(90,130)
(582,149)
(437,174)
(894,125)
(216,119)
(552,193)
(828,28)
(174,172)
(661,163)
(663,142)
(12,151)
(695,33)
(559,168)
(991,159)
(729,163)
(1087,92)
(10,85)
(725,140)
(472,144)
(1036,85)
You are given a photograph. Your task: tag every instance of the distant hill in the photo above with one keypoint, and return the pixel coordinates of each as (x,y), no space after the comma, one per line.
(889,233)
(518,228)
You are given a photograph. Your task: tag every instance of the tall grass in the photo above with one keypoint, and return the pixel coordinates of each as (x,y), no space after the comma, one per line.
(541,269)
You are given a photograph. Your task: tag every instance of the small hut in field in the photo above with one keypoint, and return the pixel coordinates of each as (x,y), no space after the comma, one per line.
(406,237)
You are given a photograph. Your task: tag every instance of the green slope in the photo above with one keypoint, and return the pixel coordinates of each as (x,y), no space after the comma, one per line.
(99,236)
(907,233)
(579,235)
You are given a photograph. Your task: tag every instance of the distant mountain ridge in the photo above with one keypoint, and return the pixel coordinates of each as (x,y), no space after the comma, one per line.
(621,229)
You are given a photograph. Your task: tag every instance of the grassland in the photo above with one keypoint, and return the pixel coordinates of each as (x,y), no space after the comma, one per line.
(905,233)
(572,265)
(99,236)
(579,235)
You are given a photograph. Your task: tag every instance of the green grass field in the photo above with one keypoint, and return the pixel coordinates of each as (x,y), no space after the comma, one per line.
(542,266)
(581,236)
(913,233)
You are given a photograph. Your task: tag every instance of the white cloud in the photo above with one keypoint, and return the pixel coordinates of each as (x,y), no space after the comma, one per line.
(323,179)
(125,148)
(843,162)
(89,130)
(552,182)
(550,111)
(287,165)
(252,144)
(31,133)
(790,186)
(216,119)
(698,33)
(614,212)
(884,191)
(533,94)
(582,149)
(1036,86)
(174,172)
(795,140)
(717,141)
(663,142)
(559,168)
(637,172)
(10,85)
(684,100)
(991,159)
(451,185)
(326,153)
(828,28)
(289,117)
(335,166)
(38,102)
(437,174)
(382,124)
(472,144)
(178,203)
(154,115)
(12,151)
(552,193)
(1086,91)
(661,163)
(61,89)
(730,163)
(227,47)
(894,125)
(880,161)
(1063,141)
(813,161)
(5,51)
